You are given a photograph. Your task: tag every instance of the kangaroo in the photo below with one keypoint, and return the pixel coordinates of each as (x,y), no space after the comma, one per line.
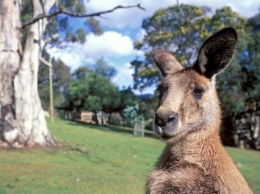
(188,118)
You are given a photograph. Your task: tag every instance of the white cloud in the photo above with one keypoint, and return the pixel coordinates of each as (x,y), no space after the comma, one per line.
(69,56)
(133,17)
(110,43)
(124,76)
(122,18)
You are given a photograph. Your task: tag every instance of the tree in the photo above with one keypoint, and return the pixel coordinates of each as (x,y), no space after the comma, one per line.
(103,69)
(93,93)
(253,70)
(179,29)
(22,121)
(9,65)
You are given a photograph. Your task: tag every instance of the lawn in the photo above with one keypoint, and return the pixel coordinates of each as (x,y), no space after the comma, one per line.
(94,160)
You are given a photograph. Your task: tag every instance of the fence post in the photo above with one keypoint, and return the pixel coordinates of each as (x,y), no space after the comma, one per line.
(139,127)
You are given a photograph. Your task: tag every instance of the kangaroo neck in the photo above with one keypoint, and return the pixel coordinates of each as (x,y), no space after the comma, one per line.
(194,148)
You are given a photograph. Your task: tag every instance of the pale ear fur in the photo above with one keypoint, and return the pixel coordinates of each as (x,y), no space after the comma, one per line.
(166,62)
(216,52)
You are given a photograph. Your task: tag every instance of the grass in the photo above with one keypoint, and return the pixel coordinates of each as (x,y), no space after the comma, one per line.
(94,160)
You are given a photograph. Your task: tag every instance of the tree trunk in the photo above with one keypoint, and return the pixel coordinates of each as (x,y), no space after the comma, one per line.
(9,64)
(26,125)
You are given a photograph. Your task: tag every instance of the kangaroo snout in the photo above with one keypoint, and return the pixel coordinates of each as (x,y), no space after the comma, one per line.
(165,123)
(165,118)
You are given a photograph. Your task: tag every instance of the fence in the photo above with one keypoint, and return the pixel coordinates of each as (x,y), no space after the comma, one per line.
(247,130)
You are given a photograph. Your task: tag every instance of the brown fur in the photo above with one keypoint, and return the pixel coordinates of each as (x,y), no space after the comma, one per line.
(188,118)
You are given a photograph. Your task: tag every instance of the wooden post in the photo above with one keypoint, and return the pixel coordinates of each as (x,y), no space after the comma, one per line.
(51,92)
(49,64)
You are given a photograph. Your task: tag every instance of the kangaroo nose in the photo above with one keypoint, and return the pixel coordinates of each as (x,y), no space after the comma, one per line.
(172,117)
(163,119)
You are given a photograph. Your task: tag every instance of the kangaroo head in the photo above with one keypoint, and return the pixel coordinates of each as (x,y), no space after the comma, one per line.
(187,96)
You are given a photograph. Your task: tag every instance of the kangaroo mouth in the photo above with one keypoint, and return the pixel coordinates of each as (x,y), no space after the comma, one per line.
(166,137)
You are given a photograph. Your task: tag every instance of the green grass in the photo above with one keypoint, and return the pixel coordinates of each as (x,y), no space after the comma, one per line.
(94,160)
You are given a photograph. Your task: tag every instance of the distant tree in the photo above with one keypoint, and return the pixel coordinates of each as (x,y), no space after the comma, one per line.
(252,69)
(81,72)
(103,69)
(100,67)
(128,98)
(91,93)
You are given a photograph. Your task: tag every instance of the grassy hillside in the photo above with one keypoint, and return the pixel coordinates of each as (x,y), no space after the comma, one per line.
(94,160)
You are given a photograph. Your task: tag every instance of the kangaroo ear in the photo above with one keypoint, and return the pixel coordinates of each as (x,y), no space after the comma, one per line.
(166,62)
(216,52)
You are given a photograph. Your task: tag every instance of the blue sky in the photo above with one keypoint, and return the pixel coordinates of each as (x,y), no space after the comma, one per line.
(123,27)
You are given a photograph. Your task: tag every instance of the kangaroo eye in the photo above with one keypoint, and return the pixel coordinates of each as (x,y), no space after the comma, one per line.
(198,92)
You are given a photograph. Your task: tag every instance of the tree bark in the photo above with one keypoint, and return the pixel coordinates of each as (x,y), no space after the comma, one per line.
(9,64)
(22,121)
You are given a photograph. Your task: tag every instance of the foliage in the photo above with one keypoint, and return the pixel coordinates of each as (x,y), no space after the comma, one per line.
(93,93)
(181,29)
(92,90)
(103,69)
(252,69)
(59,28)
(95,159)
(176,29)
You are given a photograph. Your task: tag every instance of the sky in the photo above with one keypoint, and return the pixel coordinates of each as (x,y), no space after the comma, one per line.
(122,27)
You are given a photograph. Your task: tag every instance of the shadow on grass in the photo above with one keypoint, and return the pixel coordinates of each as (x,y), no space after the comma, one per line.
(113,128)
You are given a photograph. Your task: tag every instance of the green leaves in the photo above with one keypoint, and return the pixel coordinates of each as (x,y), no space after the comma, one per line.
(93,93)
(176,29)
(94,26)
(92,90)
(103,69)
(182,29)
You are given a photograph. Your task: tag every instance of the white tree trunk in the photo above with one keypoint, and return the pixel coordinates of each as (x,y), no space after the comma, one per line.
(9,64)
(30,127)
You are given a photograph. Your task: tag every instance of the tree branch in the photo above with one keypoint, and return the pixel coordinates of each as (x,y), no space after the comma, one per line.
(61,11)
